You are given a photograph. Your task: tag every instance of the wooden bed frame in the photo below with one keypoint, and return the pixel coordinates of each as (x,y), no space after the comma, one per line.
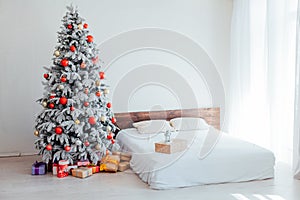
(210,115)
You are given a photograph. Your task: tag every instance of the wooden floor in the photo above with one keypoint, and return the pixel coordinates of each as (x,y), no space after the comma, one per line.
(16,182)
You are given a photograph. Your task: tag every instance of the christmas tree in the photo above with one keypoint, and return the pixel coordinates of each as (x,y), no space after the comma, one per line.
(77,122)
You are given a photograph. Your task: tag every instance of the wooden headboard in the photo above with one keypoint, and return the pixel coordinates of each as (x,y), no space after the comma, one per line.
(210,115)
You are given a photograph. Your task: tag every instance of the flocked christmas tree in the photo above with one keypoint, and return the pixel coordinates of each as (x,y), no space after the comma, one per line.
(77,122)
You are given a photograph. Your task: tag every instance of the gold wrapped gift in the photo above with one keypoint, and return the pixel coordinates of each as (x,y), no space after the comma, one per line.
(82,172)
(110,163)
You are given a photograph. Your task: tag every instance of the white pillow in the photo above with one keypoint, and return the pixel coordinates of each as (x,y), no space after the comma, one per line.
(188,123)
(152,126)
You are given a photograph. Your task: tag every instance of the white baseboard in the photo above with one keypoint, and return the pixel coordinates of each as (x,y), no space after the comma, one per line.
(16,154)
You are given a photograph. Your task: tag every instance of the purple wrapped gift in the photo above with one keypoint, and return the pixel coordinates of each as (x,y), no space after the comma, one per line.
(38,168)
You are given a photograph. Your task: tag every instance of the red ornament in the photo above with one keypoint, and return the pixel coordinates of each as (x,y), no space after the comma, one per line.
(89,38)
(85,25)
(98,93)
(72,108)
(63,100)
(92,120)
(64,62)
(82,65)
(67,148)
(86,143)
(102,75)
(49,147)
(86,104)
(58,130)
(86,90)
(63,79)
(112,141)
(108,105)
(46,76)
(51,105)
(72,48)
(52,96)
(109,136)
(69,26)
(113,120)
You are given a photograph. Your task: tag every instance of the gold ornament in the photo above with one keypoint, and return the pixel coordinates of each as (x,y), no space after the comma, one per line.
(36,133)
(56,53)
(61,87)
(108,128)
(98,83)
(44,104)
(80,26)
(103,118)
(106,91)
(77,121)
(97,147)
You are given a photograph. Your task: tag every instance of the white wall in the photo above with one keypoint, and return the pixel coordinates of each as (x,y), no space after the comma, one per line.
(28,37)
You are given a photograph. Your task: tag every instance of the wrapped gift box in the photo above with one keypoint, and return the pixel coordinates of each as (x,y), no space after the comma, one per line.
(83,163)
(110,163)
(95,168)
(38,168)
(82,172)
(125,156)
(54,168)
(71,167)
(123,166)
(176,145)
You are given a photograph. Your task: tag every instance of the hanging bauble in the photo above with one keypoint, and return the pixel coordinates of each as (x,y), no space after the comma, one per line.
(112,141)
(67,148)
(63,79)
(106,91)
(109,136)
(113,120)
(64,62)
(63,100)
(89,38)
(51,105)
(69,26)
(72,48)
(97,83)
(56,53)
(61,87)
(85,25)
(46,76)
(49,147)
(58,130)
(98,147)
(86,90)
(80,26)
(98,93)
(83,65)
(86,104)
(86,143)
(36,133)
(77,121)
(72,108)
(101,75)
(108,105)
(103,118)
(108,128)
(78,142)
(44,104)
(92,120)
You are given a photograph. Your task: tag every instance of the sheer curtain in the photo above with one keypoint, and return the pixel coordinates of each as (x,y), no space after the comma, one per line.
(296,163)
(261,95)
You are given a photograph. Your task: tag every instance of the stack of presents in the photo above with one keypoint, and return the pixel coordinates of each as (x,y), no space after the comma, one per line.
(118,161)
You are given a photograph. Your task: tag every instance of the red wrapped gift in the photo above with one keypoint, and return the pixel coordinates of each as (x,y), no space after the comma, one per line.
(54,168)
(62,168)
(95,169)
(83,163)
(38,168)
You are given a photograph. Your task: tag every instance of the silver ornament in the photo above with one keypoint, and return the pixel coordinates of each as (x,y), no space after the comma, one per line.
(61,87)
(44,104)
(56,53)
(80,26)
(106,91)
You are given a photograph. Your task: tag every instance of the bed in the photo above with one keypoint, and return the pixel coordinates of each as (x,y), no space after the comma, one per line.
(211,156)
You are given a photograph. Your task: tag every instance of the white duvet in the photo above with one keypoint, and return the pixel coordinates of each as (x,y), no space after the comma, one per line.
(218,158)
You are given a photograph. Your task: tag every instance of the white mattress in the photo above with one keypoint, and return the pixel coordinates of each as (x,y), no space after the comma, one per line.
(230,159)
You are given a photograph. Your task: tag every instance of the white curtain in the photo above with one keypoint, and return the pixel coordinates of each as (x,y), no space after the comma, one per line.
(261,95)
(296,163)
